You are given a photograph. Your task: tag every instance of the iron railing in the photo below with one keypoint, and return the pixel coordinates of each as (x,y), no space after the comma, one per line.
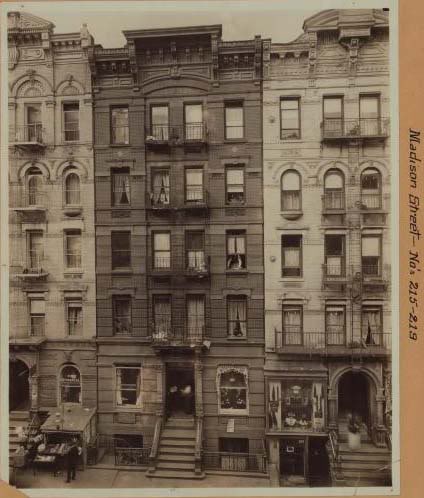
(337,128)
(175,134)
(335,271)
(163,332)
(132,456)
(161,262)
(235,462)
(32,198)
(333,200)
(370,201)
(30,134)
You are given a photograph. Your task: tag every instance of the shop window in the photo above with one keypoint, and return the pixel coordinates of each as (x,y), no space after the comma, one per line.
(335,255)
(160,195)
(35,188)
(37,317)
(371,189)
(290,118)
(70,384)
(128,387)
(193,122)
(121,190)
(72,189)
(335,325)
(121,250)
(162,317)
(232,384)
(35,241)
(291,246)
(161,250)
(194,185)
(119,125)
(195,251)
(297,405)
(160,122)
(237,316)
(234,183)
(292,325)
(371,255)
(236,250)
(195,316)
(122,315)
(73,249)
(334,194)
(74,317)
(372,325)
(333,116)
(234,120)
(291,191)
(71,121)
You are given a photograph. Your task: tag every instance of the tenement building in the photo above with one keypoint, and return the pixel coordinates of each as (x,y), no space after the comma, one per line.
(52,270)
(180,297)
(327,257)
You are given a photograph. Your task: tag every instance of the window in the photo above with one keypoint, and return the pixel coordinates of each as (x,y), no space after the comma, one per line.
(33,131)
(72,189)
(237,316)
(371,189)
(372,325)
(291,255)
(234,453)
(195,251)
(236,250)
(161,250)
(122,315)
(128,387)
(194,185)
(121,192)
(335,256)
(71,121)
(160,195)
(121,250)
(333,116)
(234,120)
(35,251)
(195,316)
(162,317)
(73,249)
(291,191)
(160,122)
(334,195)
(292,324)
(335,325)
(74,317)
(290,118)
(369,113)
(234,182)
(37,311)
(119,125)
(193,121)
(70,384)
(371,255)
(233,392)
(35,187)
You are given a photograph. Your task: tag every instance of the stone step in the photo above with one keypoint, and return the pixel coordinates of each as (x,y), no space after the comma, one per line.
(179,433)
(370,474)
(367,465)
(187,443)
(368,483)
(176,423)
(175,465)
(171,450)
(378,459)
(181,474)
(365,448)
(169,457)
(19,415)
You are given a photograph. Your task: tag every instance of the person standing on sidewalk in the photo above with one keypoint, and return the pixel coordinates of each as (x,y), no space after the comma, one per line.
(72,461)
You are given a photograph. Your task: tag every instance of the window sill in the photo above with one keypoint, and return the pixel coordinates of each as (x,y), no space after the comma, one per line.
(291,215)
(237,272)
(122,271)
(126,408)
(235,204)
(235,140)
(231,338)
(292,279)
(290,140)
(233,412)
(119,145)
(74,271)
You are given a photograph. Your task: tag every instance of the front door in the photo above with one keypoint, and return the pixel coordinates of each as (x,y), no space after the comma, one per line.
(19,399)
(180,390)
(292,460)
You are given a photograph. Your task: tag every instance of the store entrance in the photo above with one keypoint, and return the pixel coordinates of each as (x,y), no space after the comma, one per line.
(354,397)
(319,465)
(179,390)
(292,461)
(18,386)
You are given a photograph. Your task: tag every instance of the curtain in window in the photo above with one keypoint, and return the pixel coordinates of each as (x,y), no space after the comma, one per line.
(35,184)
(73,250)
(194,185)
(371,327)
(74,319)
(72,187)
(162,313)
(195,316)
(237,317)
(118,387)
(291,191)
(335,325)
(138,389)
(232,387)
(162,250)
(161,187)
(121,189)
(236,252)
(292,326)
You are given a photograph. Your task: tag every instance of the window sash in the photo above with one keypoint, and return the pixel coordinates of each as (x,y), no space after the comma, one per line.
(128,390)
(73,250)
(74,318)
(160,187)
(290,118)
(71,122)
(236,251)
(121,250)
(121,189)
(234,121)
(120,125)
(194,184)
(292,325)
(335,317)
(237,316)
(292,256)
(37,324)
(235,185)
(195,315)
(162,317)
(162,250)
(122,315)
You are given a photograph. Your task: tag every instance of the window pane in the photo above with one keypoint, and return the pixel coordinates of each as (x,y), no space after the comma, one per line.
(121,315)
(369,106)
(291,181)
(370,246)
(333,180)
(160,188)
(236,257)
(333,108)
(120,130)
(162,241)
(234,122)
(72,194)
(121,194)
(237,319)
(370,180)
(290,118)
(193,113)
(73,249)
(160,114)
(71,121)
(121,249)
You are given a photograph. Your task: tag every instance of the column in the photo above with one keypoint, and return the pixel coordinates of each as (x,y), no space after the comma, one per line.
(332,410)
(380,429)
(159,389)
(33,392)
(198,381)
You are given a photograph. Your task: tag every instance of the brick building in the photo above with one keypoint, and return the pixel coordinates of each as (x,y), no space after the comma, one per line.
(327,249)
(178,167)
(52,275)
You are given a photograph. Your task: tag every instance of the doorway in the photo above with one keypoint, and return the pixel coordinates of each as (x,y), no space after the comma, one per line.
(180,393)
(19,399)
(354,396)
(319,465)
(292,459)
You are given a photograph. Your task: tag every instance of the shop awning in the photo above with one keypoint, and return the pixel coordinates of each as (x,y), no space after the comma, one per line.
(69,419)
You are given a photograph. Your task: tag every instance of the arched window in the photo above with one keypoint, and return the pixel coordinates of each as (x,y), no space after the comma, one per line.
(334,194)
(35,187)
(291,191)
(72,189)
(371,189)
(70,384)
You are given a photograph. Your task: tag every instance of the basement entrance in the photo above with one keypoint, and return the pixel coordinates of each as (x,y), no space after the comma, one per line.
(18,386)
(179,390)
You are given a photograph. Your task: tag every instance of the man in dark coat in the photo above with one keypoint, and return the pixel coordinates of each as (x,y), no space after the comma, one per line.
(72,461)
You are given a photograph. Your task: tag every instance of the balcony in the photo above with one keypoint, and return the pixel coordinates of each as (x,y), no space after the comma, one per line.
(31,204)
(197,265)
(334,129)
(333,342)
(165,336)
(234,462)
(161,266)
(32,269)
(165,136)
(334,273)
(28,137)
(373,279)
(160,200)
(196,199)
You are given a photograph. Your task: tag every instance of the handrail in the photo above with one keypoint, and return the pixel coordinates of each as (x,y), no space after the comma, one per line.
(198,446)
(155,443)
(333,444)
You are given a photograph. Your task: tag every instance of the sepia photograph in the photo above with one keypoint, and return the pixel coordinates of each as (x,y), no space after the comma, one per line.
(200,246)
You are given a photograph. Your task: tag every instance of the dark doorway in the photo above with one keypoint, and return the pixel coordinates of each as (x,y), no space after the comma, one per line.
(319,465)
(292,457)
(18,386)
(354,396)
(179,390)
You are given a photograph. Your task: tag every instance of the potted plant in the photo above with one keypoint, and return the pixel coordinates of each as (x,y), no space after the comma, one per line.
(354,434)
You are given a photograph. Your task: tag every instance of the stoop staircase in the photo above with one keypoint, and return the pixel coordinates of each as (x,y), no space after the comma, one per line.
(367,466)
(176,452)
